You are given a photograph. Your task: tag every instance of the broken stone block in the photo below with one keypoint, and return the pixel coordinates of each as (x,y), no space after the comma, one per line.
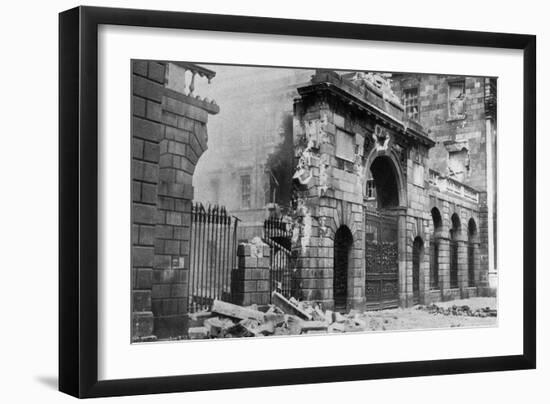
(267,328)
(216,327)
(338,317)
(337,327)
(314,326)
(234,311)
(294,324)
(239,330)
(288,307)
(329,316)
(197,333)
(276,318)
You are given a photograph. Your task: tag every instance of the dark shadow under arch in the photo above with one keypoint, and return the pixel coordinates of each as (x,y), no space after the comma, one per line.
(418,256)
(386,182)
(343,241)
(454,234)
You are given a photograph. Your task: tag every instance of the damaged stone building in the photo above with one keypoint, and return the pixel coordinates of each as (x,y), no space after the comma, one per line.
(380,183)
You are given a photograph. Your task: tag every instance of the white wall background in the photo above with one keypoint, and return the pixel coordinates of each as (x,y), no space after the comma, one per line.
(28,202)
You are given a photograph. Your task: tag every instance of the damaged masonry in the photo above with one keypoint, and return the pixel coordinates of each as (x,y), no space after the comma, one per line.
(271,201)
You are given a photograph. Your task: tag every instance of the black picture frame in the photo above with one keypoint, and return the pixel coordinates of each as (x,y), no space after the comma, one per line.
(78,200)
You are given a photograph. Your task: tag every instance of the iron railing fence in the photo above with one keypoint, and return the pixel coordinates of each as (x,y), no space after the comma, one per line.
(213,253)
(278,235)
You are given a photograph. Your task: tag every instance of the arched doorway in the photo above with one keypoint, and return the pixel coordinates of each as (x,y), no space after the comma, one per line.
(381,253)
(454,237)
(343,241)
(418,255)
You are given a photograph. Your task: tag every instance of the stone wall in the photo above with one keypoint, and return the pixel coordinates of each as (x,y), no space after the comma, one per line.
(451,133)
(250,280)
(168,137)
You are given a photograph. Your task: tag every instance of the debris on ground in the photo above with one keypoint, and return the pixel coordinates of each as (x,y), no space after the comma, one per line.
(460,310)
(292,317)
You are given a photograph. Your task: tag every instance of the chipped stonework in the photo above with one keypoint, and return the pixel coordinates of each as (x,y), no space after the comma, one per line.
(379,81)
(315,131)
(302,226)
(359,171)
(381,138)
(323,173)
(324,230)
(257,247)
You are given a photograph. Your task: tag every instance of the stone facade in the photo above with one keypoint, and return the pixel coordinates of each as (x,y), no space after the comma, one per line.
(376,218)
(331,192)
(168,137)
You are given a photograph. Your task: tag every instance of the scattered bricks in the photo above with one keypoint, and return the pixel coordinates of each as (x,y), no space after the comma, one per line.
(216,327)
(267,328)
(287,307)
(338,318)
(329,315)
(234,311)
(239,330)
(275,318)
(294,324)
(314,326)
(336,327)
(197,333)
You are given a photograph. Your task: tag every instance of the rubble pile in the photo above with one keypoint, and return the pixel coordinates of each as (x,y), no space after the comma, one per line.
(281,317)
(463,310)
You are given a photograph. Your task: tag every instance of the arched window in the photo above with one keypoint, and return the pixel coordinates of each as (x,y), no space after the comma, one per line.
(472,234)
(454,234)
(434,249)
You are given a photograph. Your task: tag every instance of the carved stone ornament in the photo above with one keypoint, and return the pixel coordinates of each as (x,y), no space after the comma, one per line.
(381,138)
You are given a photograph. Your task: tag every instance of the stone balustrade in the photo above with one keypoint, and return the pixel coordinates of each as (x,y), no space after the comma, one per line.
(452,186)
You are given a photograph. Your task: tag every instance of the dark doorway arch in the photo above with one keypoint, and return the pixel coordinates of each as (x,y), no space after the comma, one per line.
(434,248)
(381,234)
(454,237)
(343,241)
(418,256)
(472,234)
(385,181)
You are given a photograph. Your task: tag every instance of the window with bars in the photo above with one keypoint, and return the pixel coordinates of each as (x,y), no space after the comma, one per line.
(410,102)
(245,191)
(457,94)
(371,189)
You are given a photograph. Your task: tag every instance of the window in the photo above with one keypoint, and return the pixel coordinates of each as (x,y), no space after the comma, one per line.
(456,100)
(410,102)
(245,191)
(371,189)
